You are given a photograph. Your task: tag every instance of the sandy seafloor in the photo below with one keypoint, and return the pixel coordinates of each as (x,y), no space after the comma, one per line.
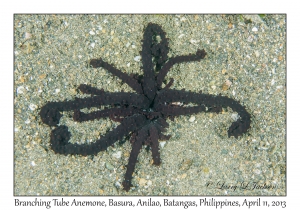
(51,56)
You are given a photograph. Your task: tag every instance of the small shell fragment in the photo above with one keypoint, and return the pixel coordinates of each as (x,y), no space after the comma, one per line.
(192,118)
(226,85)
(235,116)
(137,58)
(254,29)
(117,155)
(20,90)
(32,107)
(142,182)
(162,144)
(27,35)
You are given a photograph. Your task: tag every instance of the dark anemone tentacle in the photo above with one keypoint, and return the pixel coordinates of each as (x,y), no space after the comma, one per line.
(87,89)
(137,142)
(60,138)
(154,145)
(160,53)
(50,112)
(133,83)
(200,54)
(206,103)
